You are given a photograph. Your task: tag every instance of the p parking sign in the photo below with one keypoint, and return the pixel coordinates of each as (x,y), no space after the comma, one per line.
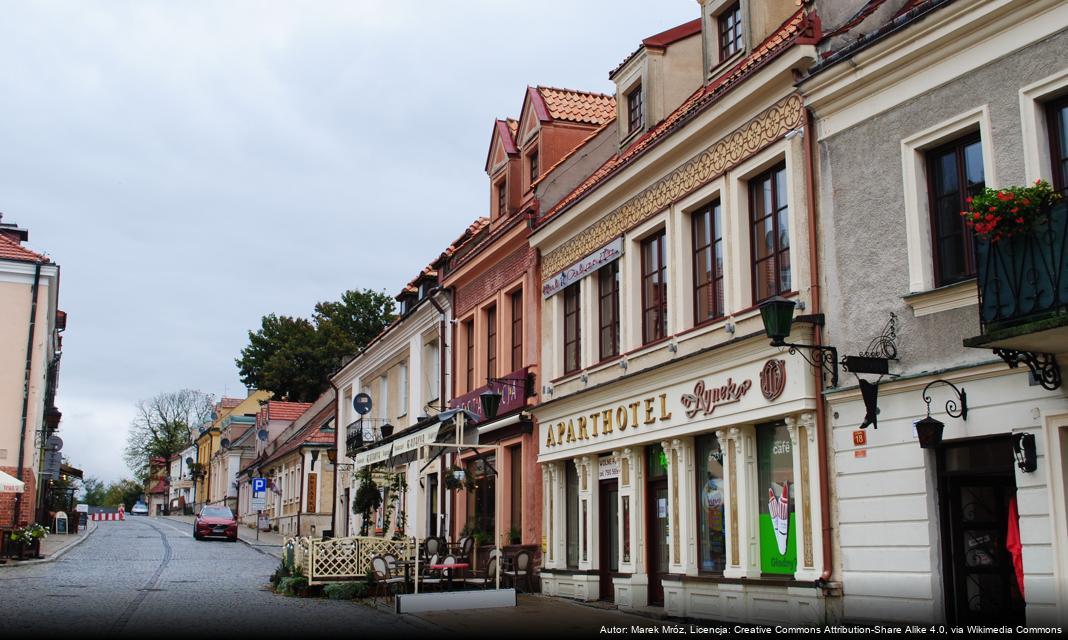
(259,485)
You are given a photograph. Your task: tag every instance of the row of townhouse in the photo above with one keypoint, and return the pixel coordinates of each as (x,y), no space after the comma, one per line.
(655,448)
(31,327)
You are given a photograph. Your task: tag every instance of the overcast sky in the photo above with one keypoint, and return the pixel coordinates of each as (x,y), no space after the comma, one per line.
(192,166)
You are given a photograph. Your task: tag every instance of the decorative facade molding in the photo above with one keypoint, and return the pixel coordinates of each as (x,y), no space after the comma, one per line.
(493,279)
(725,154)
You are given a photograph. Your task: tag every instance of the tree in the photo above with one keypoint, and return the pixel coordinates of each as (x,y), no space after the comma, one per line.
(294,357)
(93,491)
(163,427)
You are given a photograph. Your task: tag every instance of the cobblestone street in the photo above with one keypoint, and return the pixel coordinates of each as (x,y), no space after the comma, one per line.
(149,576)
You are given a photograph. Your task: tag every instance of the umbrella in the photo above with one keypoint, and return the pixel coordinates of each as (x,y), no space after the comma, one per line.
(10,484)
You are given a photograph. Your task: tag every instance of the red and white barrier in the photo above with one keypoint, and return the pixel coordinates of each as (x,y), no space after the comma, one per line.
(121,515)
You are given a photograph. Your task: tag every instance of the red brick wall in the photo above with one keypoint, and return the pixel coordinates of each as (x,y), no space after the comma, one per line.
(29,498)
(493,280)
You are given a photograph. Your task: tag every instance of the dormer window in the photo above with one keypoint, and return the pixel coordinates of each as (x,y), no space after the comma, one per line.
(730,31)
(635,113)
(502,196)
(533,162)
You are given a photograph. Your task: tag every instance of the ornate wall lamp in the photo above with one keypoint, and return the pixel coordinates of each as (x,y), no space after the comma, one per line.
(490,399)
(1023,447)
(778,316)
(929,430)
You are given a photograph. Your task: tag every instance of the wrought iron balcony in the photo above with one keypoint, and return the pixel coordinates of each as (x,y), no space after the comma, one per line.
(1023,296)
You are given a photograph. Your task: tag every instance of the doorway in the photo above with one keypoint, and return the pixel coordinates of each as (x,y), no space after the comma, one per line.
(656,521)
(977,483)
(608,562)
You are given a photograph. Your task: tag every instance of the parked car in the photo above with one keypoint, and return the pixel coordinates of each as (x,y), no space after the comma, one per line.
(215,522)
(139,509)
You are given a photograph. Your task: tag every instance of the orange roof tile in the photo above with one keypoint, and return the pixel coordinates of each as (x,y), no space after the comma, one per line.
(230,403)
(785,35)
(289,411)
(11,250)
(578,106)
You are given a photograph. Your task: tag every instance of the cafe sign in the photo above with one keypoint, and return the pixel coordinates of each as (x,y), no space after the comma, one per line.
(513,396)
(583,268)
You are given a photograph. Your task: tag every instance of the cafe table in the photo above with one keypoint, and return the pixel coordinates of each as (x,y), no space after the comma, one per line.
(448,569)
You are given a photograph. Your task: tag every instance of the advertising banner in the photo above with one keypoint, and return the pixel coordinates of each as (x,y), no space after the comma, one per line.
(775,487)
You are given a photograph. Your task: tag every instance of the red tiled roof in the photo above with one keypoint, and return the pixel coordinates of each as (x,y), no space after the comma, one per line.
(159,487)
(11,250)
(596,132)
(785,35)
(280,410)
(673,35)
(577,106)
(230,403)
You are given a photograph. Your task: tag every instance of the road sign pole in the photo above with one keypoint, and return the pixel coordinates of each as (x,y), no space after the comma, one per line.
(259,514)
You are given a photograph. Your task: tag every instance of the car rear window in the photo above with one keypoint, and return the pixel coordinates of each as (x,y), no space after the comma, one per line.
(216,512)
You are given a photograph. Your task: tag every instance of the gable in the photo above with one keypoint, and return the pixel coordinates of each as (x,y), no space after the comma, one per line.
(502,145)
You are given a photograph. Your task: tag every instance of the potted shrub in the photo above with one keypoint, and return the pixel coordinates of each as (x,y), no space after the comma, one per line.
(515,536)
(28,538)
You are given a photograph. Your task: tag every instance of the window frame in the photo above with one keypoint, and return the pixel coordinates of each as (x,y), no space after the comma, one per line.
(516,298)
(572,294)
(532,166)
(502,196)
(659,238)
(698,481)
(769,174)
(491,341)
(1058,162)
(957,144)
(635,107)
(714,212)
(729,48)
(469,348)
(612,324)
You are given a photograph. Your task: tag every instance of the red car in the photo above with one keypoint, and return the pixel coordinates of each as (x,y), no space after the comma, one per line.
(215,522)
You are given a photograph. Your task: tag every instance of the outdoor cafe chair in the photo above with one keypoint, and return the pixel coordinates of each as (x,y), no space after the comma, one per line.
(486,578)
(520,569)
(391,561)
(467,545)
(433,547)
(432,577)
(385,581)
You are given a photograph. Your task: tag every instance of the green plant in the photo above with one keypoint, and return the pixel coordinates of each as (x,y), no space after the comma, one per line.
(458,478)
(396,487)
(29,533)
(996,214)
(345,590)
(281,572)
(515,536)
(367,500)
(291,585)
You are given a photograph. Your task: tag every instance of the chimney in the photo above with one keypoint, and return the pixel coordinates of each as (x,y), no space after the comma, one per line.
(12,231)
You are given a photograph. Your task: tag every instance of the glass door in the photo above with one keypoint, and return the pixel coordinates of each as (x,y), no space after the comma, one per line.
(656,521)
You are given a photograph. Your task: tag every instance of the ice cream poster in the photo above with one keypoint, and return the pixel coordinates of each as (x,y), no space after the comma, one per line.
(775,500)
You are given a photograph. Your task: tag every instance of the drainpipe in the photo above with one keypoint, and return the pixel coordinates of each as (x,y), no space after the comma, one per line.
(443,328)
(814,277)
(26,388)
(337,458)
(300,481)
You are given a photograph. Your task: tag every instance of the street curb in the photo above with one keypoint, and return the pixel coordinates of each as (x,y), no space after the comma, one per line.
(55,556)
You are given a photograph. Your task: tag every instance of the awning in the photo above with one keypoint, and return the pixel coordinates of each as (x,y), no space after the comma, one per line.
(411,439)
(11,484)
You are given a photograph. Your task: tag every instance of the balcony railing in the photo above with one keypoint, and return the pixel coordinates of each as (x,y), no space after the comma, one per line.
(1024,278)
(363,432)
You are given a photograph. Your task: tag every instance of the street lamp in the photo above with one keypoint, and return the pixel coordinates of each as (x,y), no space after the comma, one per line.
(490,399)
(777,313)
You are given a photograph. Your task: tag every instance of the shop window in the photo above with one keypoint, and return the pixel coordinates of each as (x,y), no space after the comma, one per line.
(654,288)
(482,502)
(711,531)
(571,492)
(1057,123)
(517,330)
(608,308)
(516,461)
(707,263)
(775,500)
(770,217)
(954,172)
(572,328)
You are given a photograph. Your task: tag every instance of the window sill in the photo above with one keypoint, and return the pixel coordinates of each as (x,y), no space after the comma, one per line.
(724,65)
(954,296)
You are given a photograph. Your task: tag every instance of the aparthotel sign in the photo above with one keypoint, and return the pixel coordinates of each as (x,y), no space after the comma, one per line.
(582,268)
(711,396)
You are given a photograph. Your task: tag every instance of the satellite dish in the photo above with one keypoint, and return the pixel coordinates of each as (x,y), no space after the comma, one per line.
(362,403)
(225,443)
(262,435)
(189,461)
(203,428)
(54,443)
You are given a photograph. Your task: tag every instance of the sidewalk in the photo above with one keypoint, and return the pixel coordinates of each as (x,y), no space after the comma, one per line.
(53,546)
(268,542)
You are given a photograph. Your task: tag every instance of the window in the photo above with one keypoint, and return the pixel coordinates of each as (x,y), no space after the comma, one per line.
(707,263)
(775,500)
(572,335)
(954,172)
(517,330)
(402,388)
(635,114)
(431,504)
(769,210)
(469,337)
(383,397)
(482,501)
(654,288)
(730,31)
(711,533)
(608,307)
(571,488)
(1057,123)
(502,197)
(491,342)
(431,370)
(516,460)
(533,163)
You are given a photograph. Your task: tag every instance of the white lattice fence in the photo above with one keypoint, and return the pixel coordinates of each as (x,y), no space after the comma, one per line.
(301,554)
(341,559)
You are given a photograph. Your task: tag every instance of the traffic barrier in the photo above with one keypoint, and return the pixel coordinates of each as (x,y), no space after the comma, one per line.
(121,515)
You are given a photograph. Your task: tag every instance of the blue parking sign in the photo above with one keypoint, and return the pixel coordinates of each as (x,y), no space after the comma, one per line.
(259,485)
